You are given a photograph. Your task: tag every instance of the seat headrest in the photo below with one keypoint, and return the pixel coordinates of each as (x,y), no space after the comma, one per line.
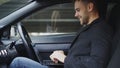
(115,16)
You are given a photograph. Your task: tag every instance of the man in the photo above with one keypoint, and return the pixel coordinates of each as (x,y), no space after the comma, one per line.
(91,46)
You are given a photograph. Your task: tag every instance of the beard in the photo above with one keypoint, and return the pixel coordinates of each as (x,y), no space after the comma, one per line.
(84,20)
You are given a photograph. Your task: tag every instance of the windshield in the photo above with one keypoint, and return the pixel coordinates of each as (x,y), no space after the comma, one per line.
(9,6)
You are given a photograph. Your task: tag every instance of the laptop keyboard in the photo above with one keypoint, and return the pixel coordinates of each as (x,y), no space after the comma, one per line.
(49,62)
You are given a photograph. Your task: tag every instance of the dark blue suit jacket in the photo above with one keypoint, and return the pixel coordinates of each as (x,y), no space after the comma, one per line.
(91,49)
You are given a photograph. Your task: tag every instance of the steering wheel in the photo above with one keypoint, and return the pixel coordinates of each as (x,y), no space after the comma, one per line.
(27,42)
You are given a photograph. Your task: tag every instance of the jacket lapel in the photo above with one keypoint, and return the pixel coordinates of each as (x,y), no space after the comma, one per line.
(82,29)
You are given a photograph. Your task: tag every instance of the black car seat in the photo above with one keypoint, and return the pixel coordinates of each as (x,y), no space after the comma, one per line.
(114,20)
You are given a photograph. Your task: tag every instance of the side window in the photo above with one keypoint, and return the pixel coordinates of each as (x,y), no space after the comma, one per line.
(57,19)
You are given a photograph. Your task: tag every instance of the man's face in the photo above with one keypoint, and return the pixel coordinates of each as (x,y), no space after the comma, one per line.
(81,12)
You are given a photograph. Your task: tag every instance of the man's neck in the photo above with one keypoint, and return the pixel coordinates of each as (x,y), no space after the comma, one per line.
(93,16)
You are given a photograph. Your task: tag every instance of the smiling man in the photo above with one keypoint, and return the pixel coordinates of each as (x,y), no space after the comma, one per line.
(91,47)
(85,12)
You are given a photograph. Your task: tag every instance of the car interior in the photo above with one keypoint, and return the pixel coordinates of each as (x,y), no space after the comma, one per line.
(45,45)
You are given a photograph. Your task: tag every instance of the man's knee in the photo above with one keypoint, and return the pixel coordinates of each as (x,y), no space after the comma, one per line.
(18,59)
(16,62)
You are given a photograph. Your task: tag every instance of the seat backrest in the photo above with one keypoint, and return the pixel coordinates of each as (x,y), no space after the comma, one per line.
(114,20)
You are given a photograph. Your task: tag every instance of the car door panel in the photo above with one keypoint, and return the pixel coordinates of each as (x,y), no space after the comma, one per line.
(45,48)
(51,47)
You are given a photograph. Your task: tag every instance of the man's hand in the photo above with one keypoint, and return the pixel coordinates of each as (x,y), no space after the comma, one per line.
(58,56)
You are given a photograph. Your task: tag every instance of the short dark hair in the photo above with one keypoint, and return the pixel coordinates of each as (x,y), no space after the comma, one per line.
(84,0)
(88,1)
(99,5)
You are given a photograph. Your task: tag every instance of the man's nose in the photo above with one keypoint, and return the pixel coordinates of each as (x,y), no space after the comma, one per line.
(76,14)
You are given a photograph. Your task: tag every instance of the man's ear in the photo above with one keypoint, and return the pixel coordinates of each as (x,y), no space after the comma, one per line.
(90,7)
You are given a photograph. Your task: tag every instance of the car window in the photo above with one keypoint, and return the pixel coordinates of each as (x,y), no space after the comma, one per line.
(53,20)
(9,6)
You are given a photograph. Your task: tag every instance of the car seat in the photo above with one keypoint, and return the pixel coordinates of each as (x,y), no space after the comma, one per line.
(114,21)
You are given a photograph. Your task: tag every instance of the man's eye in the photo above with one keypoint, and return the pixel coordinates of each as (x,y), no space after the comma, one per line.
(78,10)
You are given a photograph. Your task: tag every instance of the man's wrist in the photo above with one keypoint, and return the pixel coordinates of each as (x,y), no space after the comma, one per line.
(63,58)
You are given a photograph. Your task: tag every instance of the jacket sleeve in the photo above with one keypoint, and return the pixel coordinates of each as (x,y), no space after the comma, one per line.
(82,62)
